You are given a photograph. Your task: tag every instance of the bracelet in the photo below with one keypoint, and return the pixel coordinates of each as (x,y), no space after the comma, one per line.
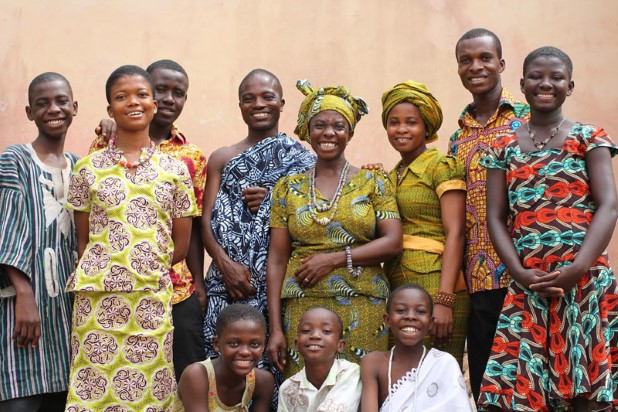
(351,270)
(445,299)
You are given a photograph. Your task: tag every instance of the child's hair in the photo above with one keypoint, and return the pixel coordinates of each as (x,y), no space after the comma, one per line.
(166,64)
(261,72)
(236,312)
(127,70)
(549,51)
(43,78)
(339,321)
(408,286)
(480,32)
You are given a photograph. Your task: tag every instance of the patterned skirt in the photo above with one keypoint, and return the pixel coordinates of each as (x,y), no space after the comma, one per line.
(546,352)
(121,352)
(363,328)
(461,311)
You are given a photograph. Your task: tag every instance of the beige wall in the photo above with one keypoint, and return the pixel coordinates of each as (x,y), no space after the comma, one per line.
(368,45)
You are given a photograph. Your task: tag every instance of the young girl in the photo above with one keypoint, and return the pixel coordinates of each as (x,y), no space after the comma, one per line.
(232,378)
(555,346)
(431,197)
(411,377)
(133,208)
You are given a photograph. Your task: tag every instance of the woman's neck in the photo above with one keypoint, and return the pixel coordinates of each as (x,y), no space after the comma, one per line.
(132,142)
(546,119)
(330,167)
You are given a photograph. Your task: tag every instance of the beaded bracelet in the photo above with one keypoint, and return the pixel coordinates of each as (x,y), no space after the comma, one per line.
(445,299)
(351,270)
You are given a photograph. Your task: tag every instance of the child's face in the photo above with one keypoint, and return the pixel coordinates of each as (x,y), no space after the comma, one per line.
(132,105)
(409,316)
(241,345)
(170,93)
(318,337)
(478,64)
(260,102)
(546,83)
(52,108)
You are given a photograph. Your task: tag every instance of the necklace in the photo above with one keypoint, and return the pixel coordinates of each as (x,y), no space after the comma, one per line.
(117,153)
(314,208)
(418,370)
(540,145)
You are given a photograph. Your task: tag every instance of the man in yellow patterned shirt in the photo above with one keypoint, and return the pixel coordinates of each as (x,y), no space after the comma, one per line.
(189,301)
(492,113)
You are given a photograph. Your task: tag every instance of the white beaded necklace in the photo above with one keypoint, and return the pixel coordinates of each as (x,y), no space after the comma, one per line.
(418,370)
(314,208)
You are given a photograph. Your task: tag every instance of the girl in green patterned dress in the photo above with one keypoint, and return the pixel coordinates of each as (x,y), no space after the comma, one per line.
(328,253)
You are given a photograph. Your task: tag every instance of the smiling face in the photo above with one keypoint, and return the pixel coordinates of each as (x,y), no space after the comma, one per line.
(170,92)
(329,132)
(409,316)
(318,338)
(261,103)
(132,105)
(546,83)
(52,108)
(479,66)
(405,129)
(241,345)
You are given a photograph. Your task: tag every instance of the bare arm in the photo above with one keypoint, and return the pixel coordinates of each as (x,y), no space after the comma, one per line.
(453,210)
(276,265)
(263,393)
(195,261)
(235,276)
(181,235)
(193,388)
(27,319)
(369,378)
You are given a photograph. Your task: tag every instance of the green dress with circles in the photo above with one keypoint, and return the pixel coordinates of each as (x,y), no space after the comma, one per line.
(360,301)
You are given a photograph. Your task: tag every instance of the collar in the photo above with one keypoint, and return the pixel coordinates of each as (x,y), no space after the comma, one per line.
(507,101)
(420,164)
(330,380)
(177,137)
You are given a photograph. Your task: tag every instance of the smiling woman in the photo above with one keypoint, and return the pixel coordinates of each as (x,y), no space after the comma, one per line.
(328,252)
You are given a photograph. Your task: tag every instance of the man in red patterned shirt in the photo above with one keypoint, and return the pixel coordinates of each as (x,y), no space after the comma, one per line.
(189,301)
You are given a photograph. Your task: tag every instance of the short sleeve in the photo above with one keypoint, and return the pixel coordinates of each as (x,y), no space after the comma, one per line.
(97,144)
(448,174)
(80,187)
(599,138)
(278,215)
(184,198)
(383,197)
(15,235)
(494,156)
(199,180)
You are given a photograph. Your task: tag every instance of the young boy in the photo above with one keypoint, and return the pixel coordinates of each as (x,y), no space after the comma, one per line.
(37,255)
(325,383)
(240,341)
(171,86)
(409,377)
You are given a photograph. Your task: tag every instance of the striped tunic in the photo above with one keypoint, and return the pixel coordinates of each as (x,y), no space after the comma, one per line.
(37,236)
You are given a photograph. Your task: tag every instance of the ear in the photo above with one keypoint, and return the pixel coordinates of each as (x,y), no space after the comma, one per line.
(74,108)
(109,111)
(282,104)
(156,106)
(340,346)
(571,87)
(351,135)
(215,343)
(502,65)
(387,320)
(186,97)
(29,113)
(521,84)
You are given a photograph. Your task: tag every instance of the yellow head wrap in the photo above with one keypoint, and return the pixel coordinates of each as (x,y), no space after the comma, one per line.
(421,97)
(337,98)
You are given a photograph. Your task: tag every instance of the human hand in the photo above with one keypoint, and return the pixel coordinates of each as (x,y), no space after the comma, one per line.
(253,197)
(200,293)
(27,321)
(537,281)
(563,279)
(441,330)
(107,128)
(276,349)
(237,280)
(373,166)
(313,269)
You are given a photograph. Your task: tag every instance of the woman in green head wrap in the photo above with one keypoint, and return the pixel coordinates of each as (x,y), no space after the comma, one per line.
(430,191)
(331,227)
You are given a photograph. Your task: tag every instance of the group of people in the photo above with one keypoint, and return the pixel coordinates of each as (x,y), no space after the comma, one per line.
(357,286)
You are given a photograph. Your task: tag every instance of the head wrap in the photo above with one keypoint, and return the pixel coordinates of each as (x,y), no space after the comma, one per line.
(337,98)
(421,97)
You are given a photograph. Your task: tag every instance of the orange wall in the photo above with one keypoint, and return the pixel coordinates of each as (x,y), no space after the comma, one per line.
(368,45)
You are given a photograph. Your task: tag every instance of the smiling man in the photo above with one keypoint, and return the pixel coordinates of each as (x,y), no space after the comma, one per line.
(493,112)
(235,224)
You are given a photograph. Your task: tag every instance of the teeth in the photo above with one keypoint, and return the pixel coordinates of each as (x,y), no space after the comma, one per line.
(54,122)
(409,330)
(545,96)
(135,113)
(402,139)
(314,347)
(477,79)
(244,362)
(260,114)
(327,145)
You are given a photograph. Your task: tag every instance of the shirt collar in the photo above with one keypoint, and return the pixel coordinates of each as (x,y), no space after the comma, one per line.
(177,137)
(330,380)
(507,101)
(420,164)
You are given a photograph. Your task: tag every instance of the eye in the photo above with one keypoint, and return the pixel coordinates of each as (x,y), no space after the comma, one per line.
(233,344)
(119,97)
(400,310)
(270,97)
(161,89)
(179,93)
(327,331)
(144,94)
(340,127)
(256,345)
(305,331)
(464,60)
(486,58)
(318,126)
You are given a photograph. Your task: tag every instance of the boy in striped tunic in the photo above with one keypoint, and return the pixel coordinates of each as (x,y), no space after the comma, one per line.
(37,254)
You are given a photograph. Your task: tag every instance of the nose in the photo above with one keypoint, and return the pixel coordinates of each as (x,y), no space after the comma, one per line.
(53,108)
(166,97)
(244,349)
(477,64)
(545,83)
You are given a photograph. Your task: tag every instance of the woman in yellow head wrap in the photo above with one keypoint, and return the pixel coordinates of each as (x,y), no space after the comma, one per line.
(430,195)
(331,227)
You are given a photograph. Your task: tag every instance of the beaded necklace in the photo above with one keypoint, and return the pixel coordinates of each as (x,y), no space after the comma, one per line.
(117,153)
(418,370)
(540,145)
(314,208)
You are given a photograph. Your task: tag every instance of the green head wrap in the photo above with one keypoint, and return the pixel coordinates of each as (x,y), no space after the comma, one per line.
(421,97)
(337,98)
